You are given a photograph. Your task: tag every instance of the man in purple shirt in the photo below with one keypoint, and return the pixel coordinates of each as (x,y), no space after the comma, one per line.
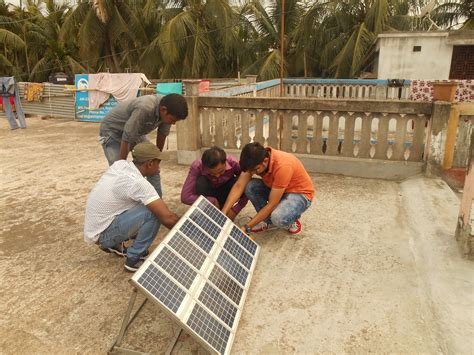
(213,177)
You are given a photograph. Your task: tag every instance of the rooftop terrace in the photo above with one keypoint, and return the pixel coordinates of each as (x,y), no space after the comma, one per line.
(377,268)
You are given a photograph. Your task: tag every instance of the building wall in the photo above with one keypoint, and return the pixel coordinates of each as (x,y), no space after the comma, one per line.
(397,60)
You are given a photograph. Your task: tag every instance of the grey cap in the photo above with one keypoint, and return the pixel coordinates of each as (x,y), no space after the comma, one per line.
(145,151)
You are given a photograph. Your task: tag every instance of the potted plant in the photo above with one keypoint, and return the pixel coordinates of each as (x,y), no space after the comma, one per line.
(444,90)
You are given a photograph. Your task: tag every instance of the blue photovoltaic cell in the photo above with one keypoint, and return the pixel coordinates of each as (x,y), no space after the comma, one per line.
(237,252)
(210,210)
(205,223)
(218,304)
(232,267)
(187,250)
(197,236)
(226,284)
(160,286)
(208,328)
(243,240)
(176,267)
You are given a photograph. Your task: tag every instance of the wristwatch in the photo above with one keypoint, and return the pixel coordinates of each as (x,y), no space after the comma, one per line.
(248,229)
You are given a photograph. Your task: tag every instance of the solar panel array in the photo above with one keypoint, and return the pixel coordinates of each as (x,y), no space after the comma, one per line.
(200,275)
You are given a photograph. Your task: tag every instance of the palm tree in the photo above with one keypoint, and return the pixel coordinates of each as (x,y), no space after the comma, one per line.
(305,55)
(12,58)
(453,13)
(107,31)
(349,32)
(266,23)
(47,52)
(197,40)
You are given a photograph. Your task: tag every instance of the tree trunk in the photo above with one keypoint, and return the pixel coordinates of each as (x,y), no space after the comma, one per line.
(304,61)
(115,60)
(26,52)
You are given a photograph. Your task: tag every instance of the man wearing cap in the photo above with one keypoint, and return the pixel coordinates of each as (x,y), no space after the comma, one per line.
(123,204)
(130,121)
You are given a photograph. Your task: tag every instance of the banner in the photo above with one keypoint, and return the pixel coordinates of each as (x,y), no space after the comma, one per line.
(82,102)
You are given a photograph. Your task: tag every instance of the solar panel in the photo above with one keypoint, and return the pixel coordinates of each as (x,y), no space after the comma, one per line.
(205,223)
(164,289)
(176,267)
(232,267)
(200,275)
(243,240)
(218,304)
(209,328)
(211,210)
(238,252)
(197,236)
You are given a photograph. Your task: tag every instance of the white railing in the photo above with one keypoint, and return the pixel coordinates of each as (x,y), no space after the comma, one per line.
(376,130)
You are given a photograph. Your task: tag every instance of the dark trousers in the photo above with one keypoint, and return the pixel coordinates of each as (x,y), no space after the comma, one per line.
(205,188)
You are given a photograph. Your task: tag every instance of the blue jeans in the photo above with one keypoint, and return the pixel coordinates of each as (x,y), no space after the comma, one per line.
(11,116)
(139,221)
(290,208)
(111,149)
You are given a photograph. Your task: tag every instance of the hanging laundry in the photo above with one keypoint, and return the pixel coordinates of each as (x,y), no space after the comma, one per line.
(12,104)
(9,88)
(34,92)
(121,86)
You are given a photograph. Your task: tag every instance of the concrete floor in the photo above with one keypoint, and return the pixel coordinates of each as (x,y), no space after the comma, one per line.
(376,269)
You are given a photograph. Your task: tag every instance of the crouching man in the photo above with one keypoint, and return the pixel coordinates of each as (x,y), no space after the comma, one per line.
(281,194)
(213,176)
(124,204)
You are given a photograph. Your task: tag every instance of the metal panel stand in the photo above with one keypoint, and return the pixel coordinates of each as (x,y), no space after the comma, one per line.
(127,320)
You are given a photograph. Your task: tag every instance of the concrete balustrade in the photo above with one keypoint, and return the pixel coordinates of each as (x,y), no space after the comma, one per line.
(370,138)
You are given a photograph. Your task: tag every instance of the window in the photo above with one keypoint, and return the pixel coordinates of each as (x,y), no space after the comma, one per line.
(416,48)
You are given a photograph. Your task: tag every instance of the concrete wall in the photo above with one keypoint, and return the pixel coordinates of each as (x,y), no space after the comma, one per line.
(397,60)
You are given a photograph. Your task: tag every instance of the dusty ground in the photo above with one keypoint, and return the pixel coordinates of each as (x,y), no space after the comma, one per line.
(376,269)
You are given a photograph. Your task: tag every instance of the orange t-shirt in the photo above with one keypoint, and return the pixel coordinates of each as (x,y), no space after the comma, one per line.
(286,171)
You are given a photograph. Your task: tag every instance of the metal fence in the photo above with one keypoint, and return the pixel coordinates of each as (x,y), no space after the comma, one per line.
(55,102)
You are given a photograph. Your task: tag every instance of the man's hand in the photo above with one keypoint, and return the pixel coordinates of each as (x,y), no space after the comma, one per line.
(164,215)
(124,149)
(245,232)
(231,214)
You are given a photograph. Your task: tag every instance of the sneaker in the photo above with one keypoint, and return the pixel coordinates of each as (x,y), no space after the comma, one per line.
(263,227)
(145,255)
(119,249)
(295,227)
(129,267)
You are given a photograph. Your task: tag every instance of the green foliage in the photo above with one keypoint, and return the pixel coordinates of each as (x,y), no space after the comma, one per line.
(207,38)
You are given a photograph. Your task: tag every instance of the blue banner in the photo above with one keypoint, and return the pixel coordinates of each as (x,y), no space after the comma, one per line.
(82,102)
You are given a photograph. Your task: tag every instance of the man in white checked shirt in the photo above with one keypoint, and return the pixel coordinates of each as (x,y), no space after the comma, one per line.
(123,204)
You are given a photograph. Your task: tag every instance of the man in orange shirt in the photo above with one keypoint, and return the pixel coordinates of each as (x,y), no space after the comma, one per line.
(283,193)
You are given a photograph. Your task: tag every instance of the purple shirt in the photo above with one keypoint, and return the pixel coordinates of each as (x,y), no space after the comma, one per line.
(232,168)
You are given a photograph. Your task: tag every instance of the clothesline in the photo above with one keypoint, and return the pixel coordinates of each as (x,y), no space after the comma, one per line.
(67,88)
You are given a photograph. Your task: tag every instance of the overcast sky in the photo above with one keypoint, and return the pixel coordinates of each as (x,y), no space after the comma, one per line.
(17,2)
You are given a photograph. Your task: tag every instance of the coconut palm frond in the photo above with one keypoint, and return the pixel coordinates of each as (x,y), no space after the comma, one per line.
(41,69)
(75,66)
(73,20)
(11,40)
(174,36)
(377,16)
(4,62)
(363,41)
(91,38)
